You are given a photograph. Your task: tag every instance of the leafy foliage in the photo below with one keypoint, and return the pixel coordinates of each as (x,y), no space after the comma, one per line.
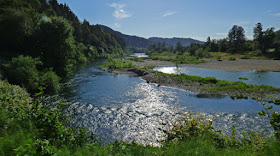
(52,32)
(273,116)
(55,45)
(236,37)
(50,81)
(24,72)
(37,131)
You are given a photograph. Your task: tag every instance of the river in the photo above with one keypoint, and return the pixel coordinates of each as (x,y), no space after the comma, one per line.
(125,108)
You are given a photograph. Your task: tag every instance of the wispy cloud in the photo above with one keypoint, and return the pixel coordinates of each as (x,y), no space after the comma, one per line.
(168,13)
(277,14)
(268,11)
(119,12)
(221,34)
(117,25)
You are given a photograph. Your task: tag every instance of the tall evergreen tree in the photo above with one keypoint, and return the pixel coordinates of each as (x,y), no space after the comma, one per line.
(237,38)
(258,36)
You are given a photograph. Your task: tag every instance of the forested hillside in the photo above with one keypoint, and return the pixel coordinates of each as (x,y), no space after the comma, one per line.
(140,42)
(54,38)
(133,41)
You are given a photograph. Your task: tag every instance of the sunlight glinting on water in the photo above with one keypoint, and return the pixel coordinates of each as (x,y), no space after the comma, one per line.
(119,107)
(169,70)
(147,114)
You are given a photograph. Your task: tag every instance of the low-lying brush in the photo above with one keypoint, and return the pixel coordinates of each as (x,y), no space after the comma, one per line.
(26,128)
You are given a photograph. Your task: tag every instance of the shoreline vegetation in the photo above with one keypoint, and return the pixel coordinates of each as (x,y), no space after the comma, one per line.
(208,85)
(29,129)
(216,60)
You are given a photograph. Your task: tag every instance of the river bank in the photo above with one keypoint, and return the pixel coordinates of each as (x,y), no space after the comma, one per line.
(228,65)
(196,84)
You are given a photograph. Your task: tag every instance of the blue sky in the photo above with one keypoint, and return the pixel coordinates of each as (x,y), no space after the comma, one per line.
(197,19)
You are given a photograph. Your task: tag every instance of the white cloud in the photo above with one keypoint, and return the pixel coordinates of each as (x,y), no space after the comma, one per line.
(116,5)
(277,14)
(119,12)
(168,13)
(117,25)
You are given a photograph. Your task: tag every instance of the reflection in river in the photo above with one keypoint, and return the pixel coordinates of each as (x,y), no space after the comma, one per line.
(254,77)
(120,107)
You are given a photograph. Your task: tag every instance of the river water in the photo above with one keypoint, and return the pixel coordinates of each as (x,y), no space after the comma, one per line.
(121,107)
(254,77)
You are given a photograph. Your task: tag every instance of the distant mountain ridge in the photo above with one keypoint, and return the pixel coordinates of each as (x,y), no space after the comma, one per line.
(133,41)
(173,41)
(141,42)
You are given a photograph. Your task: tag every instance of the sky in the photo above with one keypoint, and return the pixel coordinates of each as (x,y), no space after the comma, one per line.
(196,19)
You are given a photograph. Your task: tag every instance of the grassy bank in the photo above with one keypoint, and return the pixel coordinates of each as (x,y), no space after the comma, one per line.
(244,55)
(212,85)
(197,84)
(176,58)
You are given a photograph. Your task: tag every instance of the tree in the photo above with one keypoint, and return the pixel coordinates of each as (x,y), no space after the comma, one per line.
(163,46)
(213,45)
(55,45)
(179,47)
(222,45)
(268,37)
(208,41)
(237,38)
(193,48)
(258,36)
(15,28)
(171,48)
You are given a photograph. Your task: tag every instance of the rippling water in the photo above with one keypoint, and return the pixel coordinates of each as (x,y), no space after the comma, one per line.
(254,77)
(120,107)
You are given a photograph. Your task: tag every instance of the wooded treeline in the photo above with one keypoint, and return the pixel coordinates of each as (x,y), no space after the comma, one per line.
(265,42)
(51,33)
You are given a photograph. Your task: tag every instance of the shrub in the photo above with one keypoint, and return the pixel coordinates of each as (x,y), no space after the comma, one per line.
(243,78)
(28,129)
(22,71)
(50,81)
(245,57)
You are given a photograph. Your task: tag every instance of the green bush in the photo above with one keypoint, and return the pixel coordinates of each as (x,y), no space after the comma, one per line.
(50,81)
(23,71)
(243,78)
(245,57)
(28,129)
